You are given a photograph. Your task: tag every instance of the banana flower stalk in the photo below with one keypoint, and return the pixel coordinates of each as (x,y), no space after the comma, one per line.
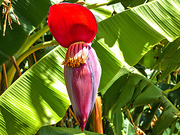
(74,27)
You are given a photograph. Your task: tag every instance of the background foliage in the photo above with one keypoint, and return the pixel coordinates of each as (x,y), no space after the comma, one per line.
(138,47)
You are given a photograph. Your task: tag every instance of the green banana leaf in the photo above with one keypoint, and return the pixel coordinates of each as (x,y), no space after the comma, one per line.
(175,126)
(118,121)
(50,130)
(138,29)
(172,92)
(36,99)
(30,14)
(174,98)
(122,85)
(128,87)
(163,58)
(167,118)
(173,65)
(130,31)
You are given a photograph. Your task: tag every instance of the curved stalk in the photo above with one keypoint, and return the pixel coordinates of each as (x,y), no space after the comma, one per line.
(129,115)
(5,75)
(31,40)
(35,48)
(174,88)
(12,69)
(154,74)
(15,65)
(96,5)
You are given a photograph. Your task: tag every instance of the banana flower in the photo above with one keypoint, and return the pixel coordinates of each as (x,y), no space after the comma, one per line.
(74,27)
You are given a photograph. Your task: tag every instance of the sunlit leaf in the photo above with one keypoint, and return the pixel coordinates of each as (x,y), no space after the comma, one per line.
(116,85)
(123,86)
(37,98)
(138,29)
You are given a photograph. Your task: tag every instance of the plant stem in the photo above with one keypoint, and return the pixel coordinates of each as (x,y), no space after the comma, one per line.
(25,47)
(15,65)
(96,5)
(27,53)
(34,56)
(35,48)
(154,74)
(96,117)
(31,40)
(67,120)
(132,120)
(174,88)
(177,71)
(5,75)
(73,115)
(168,79)
(70,117)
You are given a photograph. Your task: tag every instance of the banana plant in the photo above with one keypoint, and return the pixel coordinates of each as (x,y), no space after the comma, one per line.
(129,44)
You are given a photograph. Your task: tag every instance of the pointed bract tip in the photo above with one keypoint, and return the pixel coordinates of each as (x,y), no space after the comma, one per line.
(83,124)
(82,128)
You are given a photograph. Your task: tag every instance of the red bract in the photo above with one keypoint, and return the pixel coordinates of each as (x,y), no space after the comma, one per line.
(71,23)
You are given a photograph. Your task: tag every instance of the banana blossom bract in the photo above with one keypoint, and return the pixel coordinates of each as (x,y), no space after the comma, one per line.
(74,27)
